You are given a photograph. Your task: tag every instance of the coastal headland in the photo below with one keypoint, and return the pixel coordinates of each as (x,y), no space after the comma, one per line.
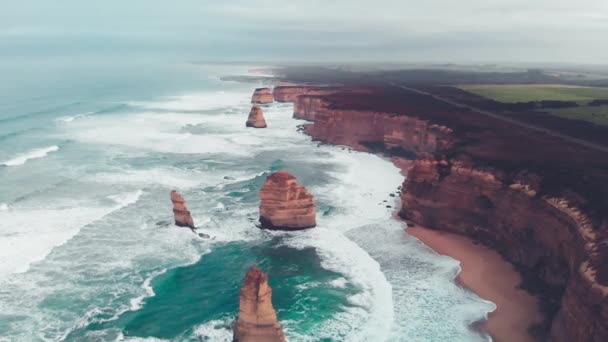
(536,199)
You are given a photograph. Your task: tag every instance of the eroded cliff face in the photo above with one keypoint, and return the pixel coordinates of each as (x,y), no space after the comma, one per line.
(256,118)
(559,247)
(310,100)
(374,131)
(306,107)
(544,236)
(290,93)
(285,204)
(182,215)
(262,96)
(257,321)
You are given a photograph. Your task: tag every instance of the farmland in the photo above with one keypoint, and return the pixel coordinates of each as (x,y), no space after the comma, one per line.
(526,93)
(597,115)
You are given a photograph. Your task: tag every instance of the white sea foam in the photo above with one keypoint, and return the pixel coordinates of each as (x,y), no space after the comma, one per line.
(215,330)
(137,302)
(126,198)
(160,132)
(74,117)
(371,315)
(164,176)
(339,283)
(197,101)
(21,159)
(111,256)
(424,293)
(309,285)
(27,235)
(3,206)
(361,187)
(121,337)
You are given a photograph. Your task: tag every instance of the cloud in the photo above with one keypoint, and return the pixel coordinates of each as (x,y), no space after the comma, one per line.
(558,30)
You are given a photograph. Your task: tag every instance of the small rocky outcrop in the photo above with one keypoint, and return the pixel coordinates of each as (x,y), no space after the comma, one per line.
(285,204)
(262,95)
(183,218)
(256,118)
(257,321)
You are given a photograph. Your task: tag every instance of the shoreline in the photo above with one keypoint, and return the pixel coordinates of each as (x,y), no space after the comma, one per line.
(487,274)
(477,176)
(491,277)
(484,272)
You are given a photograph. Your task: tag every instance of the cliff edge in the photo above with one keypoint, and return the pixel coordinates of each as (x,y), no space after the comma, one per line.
(538,200)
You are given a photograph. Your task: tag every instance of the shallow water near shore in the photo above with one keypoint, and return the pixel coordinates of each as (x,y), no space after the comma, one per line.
(87,246)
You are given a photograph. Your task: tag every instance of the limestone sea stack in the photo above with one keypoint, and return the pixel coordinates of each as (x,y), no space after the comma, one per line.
(285,204)
(181,213)
(257,321)
(262,95)
(256,118)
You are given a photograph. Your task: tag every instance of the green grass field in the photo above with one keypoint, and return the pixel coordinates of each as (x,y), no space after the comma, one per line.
(596,115)
(526,93)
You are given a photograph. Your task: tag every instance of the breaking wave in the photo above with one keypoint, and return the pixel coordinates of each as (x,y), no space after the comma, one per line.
(22,158)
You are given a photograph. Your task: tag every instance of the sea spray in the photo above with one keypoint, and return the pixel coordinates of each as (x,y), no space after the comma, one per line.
(74,117)
(38,230)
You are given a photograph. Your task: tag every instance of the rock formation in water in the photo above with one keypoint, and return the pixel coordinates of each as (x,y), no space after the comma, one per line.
(180,212)
(257,321)
(262,95)
(256,118)
(285,204)
(506,187)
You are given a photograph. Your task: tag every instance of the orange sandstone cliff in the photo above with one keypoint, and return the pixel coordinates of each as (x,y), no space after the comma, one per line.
(370,130)
(285,204)
(180,212)
(257,321)
(256,118)
(545,234)
(289,93)
(262,96)
(539,201)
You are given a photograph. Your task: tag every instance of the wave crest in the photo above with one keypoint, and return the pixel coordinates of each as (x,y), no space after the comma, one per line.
(21,159)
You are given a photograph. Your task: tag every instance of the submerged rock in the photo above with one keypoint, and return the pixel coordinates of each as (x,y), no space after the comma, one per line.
(262,95)
(256,118)
(163,223)
(183,218)
(257,321)
(285,204)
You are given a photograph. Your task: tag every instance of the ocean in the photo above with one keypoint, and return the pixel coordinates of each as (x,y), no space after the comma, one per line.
(89,152)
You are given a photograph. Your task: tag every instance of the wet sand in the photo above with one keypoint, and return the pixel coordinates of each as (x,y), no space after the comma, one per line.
(486,273)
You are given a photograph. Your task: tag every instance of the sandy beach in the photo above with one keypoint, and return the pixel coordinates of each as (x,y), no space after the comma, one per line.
(486,273)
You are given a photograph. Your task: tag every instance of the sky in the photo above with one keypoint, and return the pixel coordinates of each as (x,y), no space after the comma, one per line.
(559,31)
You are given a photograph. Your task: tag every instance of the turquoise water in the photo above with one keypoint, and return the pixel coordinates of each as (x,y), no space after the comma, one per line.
(88,252)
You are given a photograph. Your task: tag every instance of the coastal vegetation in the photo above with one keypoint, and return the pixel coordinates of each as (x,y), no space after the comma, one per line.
(594,114)
(513,93)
